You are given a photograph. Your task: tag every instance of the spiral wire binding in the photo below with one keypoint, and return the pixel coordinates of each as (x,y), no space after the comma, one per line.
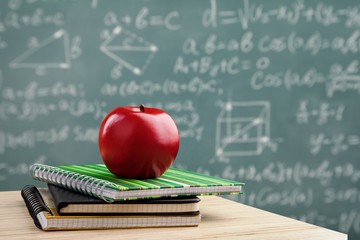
(34,203)
(74,181)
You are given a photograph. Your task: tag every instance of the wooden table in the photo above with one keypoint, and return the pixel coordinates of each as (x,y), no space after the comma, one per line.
(221,218)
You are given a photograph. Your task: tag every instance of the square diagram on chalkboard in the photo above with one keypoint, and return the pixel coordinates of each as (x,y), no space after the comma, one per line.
(243,129)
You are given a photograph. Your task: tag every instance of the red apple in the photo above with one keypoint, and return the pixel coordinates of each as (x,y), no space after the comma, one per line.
(138,142)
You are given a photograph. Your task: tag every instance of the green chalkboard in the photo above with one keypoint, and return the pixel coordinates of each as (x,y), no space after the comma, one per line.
(265,92)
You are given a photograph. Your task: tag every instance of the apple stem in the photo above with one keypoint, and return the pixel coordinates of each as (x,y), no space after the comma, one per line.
(142,108)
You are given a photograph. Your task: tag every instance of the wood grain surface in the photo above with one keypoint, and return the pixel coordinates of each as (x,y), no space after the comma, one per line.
(221,219)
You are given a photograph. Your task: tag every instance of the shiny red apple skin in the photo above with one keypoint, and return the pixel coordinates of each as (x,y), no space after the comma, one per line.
(138,142)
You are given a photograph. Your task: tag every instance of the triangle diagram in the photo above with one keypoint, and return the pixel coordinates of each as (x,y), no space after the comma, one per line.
(52,52)
(129,50)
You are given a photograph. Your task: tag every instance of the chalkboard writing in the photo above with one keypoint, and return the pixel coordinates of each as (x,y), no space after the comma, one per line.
(265,92)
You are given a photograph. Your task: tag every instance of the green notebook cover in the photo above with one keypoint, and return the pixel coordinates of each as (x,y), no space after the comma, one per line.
(96,180)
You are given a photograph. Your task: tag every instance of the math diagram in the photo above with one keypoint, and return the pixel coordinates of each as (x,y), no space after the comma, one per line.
(128,50)
(242,129)
(53,52)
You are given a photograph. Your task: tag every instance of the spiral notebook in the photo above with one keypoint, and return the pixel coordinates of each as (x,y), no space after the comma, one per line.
(96,180)
(43,212)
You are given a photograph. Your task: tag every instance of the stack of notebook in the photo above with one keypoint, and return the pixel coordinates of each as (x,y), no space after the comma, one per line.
(90,197)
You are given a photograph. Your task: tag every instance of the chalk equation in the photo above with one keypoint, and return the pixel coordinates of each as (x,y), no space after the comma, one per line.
(345,222)
(324,173)
(31,110)
(38,17)
(34,90)
(344,78)
(144,19)
(321,113)
(196,86)
(10,170)
(250,13)
(337,143)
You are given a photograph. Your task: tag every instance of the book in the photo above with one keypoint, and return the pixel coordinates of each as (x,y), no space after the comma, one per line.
(68,202)
(43,212)
(96,180)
